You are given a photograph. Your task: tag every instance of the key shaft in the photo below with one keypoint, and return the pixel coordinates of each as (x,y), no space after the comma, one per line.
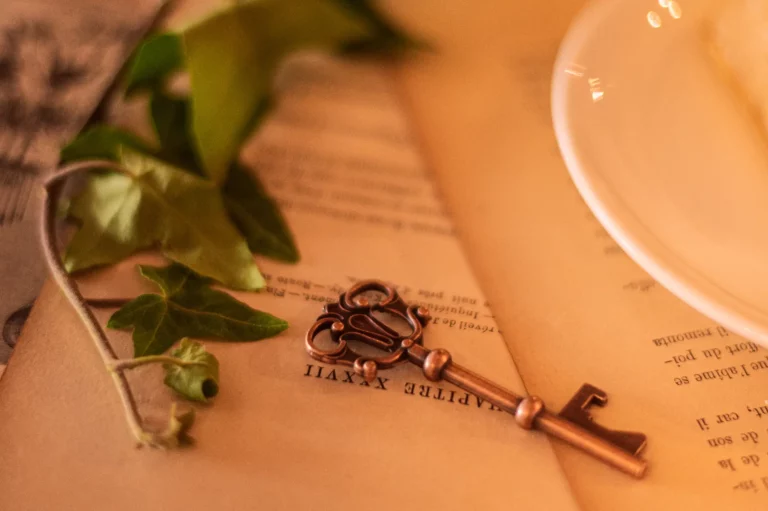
(529,412)
(352,320)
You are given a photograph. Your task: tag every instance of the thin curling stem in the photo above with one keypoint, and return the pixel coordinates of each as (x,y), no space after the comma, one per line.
(131,363)
(53,188)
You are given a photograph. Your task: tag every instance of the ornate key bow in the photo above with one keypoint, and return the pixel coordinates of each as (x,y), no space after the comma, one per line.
(352,319)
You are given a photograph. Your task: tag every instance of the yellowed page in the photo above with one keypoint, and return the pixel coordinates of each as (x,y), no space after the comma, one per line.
(571,305)
(286,432)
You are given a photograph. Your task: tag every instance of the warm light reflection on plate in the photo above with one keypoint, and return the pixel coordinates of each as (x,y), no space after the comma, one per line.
(654,19)
(673,9)
(670,162)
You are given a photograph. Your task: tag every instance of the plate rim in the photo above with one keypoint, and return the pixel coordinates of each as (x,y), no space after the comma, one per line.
(637,241)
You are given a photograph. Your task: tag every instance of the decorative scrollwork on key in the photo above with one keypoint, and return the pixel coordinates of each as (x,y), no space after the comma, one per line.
(351,319)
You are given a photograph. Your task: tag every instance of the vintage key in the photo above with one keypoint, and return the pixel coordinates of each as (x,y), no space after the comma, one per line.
(352,320)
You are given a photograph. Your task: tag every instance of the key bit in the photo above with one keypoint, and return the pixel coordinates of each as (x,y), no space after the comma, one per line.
(576,411)
(352,319)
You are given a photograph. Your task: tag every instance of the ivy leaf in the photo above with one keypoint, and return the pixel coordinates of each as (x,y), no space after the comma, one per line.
(158,204)
(232,56)
(169,118)
(257,216)
(250,207)
(385,36)
(197,378)
(252,210)
(188,307)
(153,61)
(101,142)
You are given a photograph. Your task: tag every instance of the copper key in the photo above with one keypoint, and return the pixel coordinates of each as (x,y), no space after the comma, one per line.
(351,319)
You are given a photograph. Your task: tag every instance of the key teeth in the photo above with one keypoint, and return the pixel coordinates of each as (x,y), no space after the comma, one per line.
(592,396)
(576,411)
(586,396)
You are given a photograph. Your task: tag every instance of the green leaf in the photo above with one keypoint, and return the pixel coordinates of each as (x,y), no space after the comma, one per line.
(385,37)
(257,216)
(188,307)
(232,57)
(197,378)
(101,142)
(250,207)
(152,62)
(158,204)
(170,119)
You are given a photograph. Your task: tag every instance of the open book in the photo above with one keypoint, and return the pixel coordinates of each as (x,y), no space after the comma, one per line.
(443,177)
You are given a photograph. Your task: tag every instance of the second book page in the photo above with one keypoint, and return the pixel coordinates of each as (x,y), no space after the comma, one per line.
(572,307)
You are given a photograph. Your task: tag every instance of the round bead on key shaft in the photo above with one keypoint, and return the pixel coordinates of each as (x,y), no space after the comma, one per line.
(352,319)
(529,412)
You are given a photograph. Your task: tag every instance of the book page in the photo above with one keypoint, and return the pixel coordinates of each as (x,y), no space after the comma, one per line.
(572,307)
(287,432)
(56,61)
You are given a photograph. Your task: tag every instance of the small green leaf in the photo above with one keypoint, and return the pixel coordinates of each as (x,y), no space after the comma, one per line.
(197,378)
(101,142)
(176,432)
(158,204)
(188,307)
(257,216)
(152,62)
(232,57)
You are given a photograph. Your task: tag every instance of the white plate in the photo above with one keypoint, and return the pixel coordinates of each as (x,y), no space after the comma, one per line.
(666,155)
